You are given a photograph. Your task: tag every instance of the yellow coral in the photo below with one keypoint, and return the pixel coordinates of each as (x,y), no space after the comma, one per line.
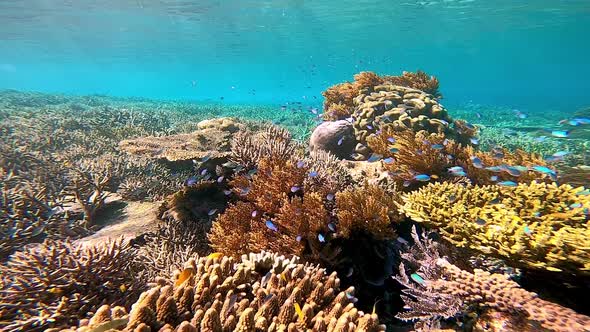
(535,225)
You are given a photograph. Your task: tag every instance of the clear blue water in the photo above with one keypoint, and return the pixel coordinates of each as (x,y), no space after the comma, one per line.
(526,54)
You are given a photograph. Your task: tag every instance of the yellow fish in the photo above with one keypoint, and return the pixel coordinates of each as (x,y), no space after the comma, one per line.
(55,290)
(214,255)
(283,277)
(123,288)
(184,275)
(299,311)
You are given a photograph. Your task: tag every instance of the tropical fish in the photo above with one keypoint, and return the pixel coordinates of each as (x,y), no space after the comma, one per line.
(477,163)
(184,276)
(388,160)
(437,146)
(394,150)
(332,227)
(298,238)
(461,173)
(214,255)
(313,174)
(512,171)
(540,139)
(192,180)
(321,238)
(212,212)
(204,171)
(422,177)
(254,213)
(582,120)
(507,183)
(543,169)
(271,226)
(227,192)
(474,141)
(576,205)
(480,221)
(455,169)
(560,133)
(391,140)
(585,192)
(560,154)
(495,169)
(494,178)
(295,189)
(220,179)
(298,311)
(417,278)
(374,157)
(330,196)
(300,164)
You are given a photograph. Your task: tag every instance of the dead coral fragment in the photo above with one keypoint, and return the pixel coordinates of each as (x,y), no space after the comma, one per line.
(535,225)
(54,283)
(438,289)
(262,292)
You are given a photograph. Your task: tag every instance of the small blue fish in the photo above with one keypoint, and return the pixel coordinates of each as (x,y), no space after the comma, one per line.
(340,141)
(388,160)
(417,278)
(573,122)
(480,222)
(394,150)
(321,238)
(494,178)
(374,157)
(576,205)
(560,133)
(391,140)
(460,173)
(332,227)
(252,172)
(205,158)
(313,174)
(330,196)
(244,191)
(348,275)
(298,238)
(495,169)
(422,177)
(212,212)
(227,192)
(540,139)
(204,171)
(507,183)
(477,163)
(407,183)
(585,192)
(369,127)
(474,141)
(271,226)
(254,213)
(437,146)
(220,179)
(192,180)
(455,169)
(543,169)
(300,164)
(527,231)
(582,120)
(295,189)
(512,171)
(560,154)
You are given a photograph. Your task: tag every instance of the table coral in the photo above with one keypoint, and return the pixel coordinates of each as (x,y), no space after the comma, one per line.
(262,292)
(57,282)
(438,289)
(535,225)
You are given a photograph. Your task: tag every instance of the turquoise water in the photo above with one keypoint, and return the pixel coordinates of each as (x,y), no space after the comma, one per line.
(524,54)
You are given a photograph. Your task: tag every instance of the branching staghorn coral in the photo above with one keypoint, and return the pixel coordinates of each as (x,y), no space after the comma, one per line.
(57,282)
(248,147)
(262,292)
(535,225)
(407,154)
(438,289)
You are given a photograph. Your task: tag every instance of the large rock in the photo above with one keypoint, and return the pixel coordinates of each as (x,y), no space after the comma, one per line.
(336,137)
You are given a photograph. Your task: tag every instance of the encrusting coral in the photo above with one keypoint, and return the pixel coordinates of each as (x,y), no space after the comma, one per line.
(339,99)
(56,283)
(262,292)
(407,154)
(535,225)
(437,289)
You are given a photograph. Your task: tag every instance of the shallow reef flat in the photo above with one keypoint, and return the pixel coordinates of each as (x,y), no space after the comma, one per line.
(385,211)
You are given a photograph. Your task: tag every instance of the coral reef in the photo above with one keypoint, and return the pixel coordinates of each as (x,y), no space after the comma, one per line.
(262,292)
(535,225)
(56,283)
(438,289)
(339,99)
(407,154)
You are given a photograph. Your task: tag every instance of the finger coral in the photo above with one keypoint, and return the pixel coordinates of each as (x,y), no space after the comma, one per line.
(57,283)
(438,289)
(262,292)
(535,225)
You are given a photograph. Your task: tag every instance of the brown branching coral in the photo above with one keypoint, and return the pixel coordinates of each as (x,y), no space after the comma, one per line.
(535,225)
(57,283)
(438,289)
(408,154)
(247,147)
(194,202)
(418,80)
(263,292)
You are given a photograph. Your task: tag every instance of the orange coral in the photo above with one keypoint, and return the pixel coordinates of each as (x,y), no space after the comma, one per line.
(411,154)
(367,208)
